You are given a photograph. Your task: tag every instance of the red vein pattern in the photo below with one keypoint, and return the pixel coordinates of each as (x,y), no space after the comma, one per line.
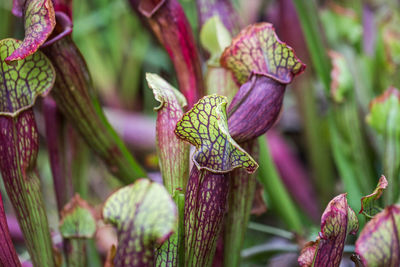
(263,66)
(8,255)
(337,221)
(39,22)
(368,205)
(173,152)
(257,49)
(379,241)
(21,83)
(205,207)
(18,152)
(205,127)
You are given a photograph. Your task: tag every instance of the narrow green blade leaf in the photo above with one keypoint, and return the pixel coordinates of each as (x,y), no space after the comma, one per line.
(205,126)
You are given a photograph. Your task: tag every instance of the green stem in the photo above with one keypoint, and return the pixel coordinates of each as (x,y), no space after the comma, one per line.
(280,248)
(75,96)
(317,140)
(268,248)
(310,25)
(26,197)
(76,256)
(78,162)
(391,157)
(271,230)
(273,186)
(180,201)
(93,256)
(240,200)
(347,136)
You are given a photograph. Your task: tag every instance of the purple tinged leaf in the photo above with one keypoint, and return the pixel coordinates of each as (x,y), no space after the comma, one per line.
(255,108)
(145,216)
(258,50)
(205,127)
(263,66)
(379,241)
(21,83)
(307,254)
(8,255)
(337,221)
(368,203)
(173,153)
(169,23)
(39,22)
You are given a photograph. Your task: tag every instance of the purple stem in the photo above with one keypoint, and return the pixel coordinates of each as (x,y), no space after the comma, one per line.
(205,207)
(369,27)
(15,230)
(55,137)
(168,22)
(8,256)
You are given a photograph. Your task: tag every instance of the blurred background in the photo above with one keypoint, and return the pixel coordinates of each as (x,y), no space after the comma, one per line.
(323,144)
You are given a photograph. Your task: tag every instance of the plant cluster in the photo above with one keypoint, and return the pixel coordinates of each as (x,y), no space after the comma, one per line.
(215,165)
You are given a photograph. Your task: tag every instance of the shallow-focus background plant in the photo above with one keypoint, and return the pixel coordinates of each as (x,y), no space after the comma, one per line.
(199,133)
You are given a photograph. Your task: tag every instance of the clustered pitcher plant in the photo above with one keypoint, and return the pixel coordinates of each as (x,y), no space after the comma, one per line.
(212,157)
